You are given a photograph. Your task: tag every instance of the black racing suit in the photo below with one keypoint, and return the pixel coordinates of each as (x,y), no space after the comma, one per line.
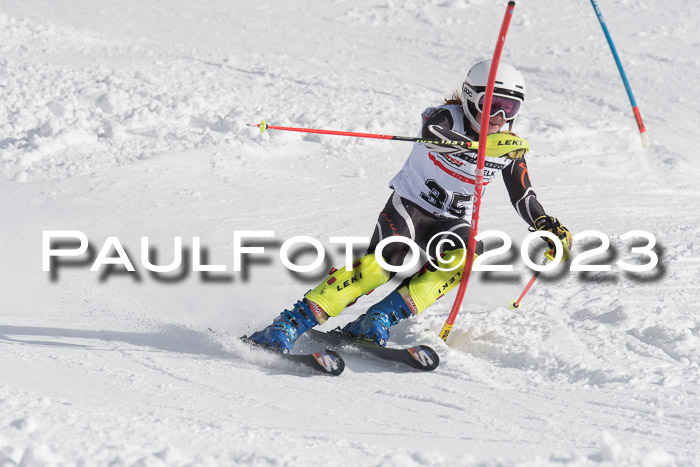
(403,217)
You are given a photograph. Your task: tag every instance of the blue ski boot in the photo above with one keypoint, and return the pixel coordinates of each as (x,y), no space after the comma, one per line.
(374,325)
(286,328)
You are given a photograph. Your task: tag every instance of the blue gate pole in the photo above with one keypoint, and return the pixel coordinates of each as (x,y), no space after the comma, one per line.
(637,116)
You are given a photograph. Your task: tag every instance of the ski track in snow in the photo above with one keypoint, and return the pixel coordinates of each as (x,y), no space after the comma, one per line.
(128,119)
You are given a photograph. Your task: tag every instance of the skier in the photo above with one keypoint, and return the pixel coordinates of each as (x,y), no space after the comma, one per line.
(432,195)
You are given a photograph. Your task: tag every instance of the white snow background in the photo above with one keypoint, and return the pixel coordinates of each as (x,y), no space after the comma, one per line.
(127,118)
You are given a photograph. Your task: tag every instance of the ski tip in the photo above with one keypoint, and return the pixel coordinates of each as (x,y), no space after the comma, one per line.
(330,362)
(327,361)
(426,358)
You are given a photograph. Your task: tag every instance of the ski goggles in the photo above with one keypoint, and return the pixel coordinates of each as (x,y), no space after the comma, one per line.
(509,105)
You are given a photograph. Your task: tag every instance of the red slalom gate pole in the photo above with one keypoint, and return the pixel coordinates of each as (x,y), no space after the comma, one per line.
(479,182)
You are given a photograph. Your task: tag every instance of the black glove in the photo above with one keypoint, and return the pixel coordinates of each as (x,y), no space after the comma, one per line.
(552,224)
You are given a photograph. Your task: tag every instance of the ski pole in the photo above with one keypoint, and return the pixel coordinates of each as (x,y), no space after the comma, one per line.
(264,126)
(637,115)
(516,303)
(478,183)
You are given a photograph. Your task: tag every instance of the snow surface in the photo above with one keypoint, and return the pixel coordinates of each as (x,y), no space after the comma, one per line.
(127,118)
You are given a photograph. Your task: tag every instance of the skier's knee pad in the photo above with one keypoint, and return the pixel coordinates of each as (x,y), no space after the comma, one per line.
(343,287)
(430,283)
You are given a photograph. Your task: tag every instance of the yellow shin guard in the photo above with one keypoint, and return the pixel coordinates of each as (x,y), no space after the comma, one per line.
(429,284)
(343,287)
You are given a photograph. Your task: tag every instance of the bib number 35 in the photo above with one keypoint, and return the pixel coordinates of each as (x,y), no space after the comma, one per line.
(437,196)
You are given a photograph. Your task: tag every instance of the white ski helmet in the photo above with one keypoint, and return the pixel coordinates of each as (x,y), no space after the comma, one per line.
(508,91)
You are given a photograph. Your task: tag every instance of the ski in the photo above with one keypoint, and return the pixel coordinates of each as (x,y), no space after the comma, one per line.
(420,357)
(326,361)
